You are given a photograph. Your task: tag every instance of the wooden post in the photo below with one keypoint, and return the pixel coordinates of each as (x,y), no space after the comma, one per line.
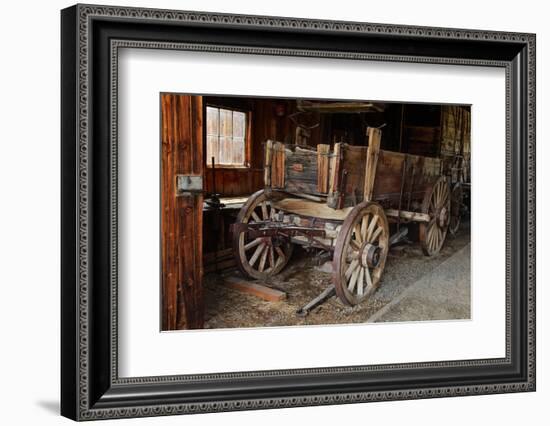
(268,161)
(181,214)
(335,172)
(375,135)
(323,152)
(278,165)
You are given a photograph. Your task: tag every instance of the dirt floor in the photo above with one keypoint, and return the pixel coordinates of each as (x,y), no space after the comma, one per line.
(302,280)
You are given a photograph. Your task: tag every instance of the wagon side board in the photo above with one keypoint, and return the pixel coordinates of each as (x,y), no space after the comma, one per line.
(351,174)
(404,177)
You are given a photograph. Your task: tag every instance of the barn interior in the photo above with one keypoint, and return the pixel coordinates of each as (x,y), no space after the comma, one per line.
(234,132)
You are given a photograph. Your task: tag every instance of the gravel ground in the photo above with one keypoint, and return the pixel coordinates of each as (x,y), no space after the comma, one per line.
(302,280)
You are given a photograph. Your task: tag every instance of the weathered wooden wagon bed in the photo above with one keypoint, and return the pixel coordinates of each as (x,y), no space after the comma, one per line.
(343,202)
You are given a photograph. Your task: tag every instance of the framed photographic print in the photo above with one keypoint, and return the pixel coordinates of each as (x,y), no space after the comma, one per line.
(263,212)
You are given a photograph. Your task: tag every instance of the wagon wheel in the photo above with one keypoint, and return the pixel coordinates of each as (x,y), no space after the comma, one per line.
(360,253)
(456,206)
(260,257)
(437,204)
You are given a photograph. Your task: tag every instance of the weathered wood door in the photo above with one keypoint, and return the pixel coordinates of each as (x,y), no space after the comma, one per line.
(181,212)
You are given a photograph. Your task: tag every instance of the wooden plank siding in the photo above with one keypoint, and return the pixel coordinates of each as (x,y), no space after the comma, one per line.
(181,215)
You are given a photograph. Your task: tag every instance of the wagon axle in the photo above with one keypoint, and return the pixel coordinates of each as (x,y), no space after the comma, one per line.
(273,229)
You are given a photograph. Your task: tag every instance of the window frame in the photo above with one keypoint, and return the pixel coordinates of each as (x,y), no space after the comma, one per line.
(247,138)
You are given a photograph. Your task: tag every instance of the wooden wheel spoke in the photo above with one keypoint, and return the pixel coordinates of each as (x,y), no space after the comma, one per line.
(355,245)
(353,279)
(445,197)
(441,191)
(281,254)
(351,268)
(357,233)
(360,281)
(255,216)
(256,254)
(376,234)
(431,236)
(368,278)
(263,258)
(252,243)
(265,214)
(371,227)
(271,257)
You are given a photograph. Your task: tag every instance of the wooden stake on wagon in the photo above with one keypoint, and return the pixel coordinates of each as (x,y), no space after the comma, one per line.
(374,135)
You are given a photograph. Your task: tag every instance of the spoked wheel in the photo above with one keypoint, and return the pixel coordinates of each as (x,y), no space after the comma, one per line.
(360,254)
(437,203)
(260,257)
(456,207)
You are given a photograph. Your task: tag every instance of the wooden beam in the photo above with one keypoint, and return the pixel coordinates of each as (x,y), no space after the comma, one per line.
(414,216)
(255,289)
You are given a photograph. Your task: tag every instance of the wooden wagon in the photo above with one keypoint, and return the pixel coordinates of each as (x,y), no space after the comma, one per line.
(343,201)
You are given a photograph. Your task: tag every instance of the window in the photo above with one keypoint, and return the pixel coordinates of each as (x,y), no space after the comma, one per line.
(225,137)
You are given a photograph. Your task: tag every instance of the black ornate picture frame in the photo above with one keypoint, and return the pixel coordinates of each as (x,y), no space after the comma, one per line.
(91,37)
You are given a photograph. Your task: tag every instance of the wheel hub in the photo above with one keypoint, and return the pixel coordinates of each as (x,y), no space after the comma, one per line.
(370,255)
(443,217)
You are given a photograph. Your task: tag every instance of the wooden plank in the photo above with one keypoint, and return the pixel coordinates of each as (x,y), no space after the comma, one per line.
(255,289)
(181,216)
(311,209)
(414,216)
(300,170)
(323,157)
(355,158)
(375,135)
(234,181)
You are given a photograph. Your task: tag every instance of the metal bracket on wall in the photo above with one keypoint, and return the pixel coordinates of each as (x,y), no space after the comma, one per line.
(187,184)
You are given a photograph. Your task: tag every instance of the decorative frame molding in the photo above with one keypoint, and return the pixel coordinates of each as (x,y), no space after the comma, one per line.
(91,388)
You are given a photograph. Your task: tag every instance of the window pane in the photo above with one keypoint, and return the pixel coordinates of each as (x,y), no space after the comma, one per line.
(225,150)
(226,122)
(212,121)
(211,149)
(239,124)
(238,151)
